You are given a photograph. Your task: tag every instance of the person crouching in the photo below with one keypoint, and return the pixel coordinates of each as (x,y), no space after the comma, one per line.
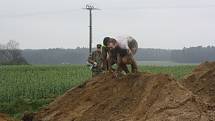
(123,49)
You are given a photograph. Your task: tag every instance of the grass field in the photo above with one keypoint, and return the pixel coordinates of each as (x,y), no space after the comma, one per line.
(31,87)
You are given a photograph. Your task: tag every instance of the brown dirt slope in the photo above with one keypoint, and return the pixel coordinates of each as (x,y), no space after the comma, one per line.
(4,117)
(139,97)
(202,82)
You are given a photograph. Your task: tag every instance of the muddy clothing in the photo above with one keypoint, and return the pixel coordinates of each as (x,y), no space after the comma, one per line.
(122,55)
(106,53)
(122,61)
(107,60)
(127,42)
(96,60)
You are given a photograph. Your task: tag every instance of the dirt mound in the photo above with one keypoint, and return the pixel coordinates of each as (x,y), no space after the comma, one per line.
(139,97)
(202,82)
(4,117)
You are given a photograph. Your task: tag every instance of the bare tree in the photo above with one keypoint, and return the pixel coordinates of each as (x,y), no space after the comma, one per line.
(2,53)
(11,54)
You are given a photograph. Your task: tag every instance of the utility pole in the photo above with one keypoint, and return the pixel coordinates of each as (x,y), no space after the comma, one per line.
(90,8)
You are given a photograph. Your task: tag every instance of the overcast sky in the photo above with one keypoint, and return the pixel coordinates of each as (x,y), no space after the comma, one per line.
(169,24)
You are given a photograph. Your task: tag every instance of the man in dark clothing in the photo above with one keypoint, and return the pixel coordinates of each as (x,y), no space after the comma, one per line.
(96,60)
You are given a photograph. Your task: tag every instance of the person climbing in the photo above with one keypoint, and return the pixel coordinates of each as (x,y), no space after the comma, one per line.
(95,59)
(105,55)
(105,52)
(122,50)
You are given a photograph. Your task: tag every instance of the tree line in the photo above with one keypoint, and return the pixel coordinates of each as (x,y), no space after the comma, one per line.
(193,54)
(80,55)
(11,54)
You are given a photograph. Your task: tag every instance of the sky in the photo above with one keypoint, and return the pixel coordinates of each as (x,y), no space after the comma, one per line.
(166,24)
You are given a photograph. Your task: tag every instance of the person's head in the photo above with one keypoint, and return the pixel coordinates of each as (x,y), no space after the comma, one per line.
(111,44)
(105,41)
(98,47)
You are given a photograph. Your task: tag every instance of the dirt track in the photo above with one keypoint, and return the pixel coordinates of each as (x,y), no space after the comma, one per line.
(139,97)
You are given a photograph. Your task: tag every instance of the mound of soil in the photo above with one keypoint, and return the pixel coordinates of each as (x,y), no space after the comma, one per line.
(202,82)
(4,117)
(139,97)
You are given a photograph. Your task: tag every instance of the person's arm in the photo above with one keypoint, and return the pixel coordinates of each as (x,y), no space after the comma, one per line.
(109,60)
(104,58)
(91,59)
(104,53)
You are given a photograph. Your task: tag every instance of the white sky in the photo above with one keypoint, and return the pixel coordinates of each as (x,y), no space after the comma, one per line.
(169,24)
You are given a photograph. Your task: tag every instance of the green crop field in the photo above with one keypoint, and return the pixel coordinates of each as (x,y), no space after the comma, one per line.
(27,88)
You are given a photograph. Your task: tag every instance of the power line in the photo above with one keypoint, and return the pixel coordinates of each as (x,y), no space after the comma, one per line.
(90,8)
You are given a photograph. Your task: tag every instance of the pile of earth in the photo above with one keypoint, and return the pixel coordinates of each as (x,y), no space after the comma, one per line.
(137,97)
(4,117)
(202,83)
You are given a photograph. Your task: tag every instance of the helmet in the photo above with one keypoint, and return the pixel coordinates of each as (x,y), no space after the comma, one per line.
(98,46)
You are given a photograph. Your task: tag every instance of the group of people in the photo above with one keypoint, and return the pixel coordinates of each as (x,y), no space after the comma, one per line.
(119,51)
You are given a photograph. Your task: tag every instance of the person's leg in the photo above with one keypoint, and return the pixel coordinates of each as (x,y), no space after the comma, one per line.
(112,59)
(93,74)
(125,61)
(133,65)
(96,72)
(125,68)
(133,45)
(121,65)
(104,58)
